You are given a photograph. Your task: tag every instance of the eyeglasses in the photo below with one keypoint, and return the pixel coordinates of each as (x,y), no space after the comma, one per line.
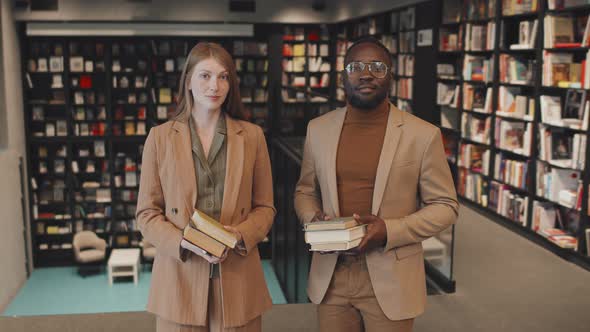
(377,68)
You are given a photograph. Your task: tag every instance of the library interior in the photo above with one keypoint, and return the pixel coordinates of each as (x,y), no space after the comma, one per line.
(91,90)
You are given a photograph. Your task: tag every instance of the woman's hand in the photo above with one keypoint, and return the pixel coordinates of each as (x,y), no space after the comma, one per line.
(235,232)
(200,252)
(240,246)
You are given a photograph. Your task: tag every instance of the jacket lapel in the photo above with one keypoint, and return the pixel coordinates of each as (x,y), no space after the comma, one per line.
(184,164)
(233,169)
(332,141)
(390,143)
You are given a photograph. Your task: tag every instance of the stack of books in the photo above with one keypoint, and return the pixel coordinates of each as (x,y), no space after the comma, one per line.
(205,234)
(334,235)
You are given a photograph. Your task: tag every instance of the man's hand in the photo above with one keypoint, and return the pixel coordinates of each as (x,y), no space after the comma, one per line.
(376,235)
(320,216)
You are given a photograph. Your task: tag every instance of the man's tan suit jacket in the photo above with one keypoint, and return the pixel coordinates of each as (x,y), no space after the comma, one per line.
(414,194)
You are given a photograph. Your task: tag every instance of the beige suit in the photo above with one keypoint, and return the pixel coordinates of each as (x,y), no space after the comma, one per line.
(414,194)
(167,197)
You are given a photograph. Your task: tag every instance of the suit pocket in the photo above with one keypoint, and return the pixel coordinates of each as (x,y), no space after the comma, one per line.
(407,251)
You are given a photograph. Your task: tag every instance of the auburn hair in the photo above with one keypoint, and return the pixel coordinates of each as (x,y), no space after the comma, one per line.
(233,101)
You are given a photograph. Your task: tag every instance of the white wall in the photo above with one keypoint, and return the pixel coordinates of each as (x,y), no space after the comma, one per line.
(12,246)
(267,11)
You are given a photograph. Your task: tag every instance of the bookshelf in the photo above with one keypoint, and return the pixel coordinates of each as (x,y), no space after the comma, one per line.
(251,58)
(89,105)
(515,134)
(307,76)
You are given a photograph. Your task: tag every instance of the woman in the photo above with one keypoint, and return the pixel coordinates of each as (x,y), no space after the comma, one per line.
(206,158)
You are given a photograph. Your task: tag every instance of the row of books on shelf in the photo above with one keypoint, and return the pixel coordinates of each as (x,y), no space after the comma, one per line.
(554,224)
(399,21)
(477,98)
(454,10)
(474,157)
(573,115)
(562,186)
(390,41)
(297,65)
(322,81)
(527,35)
(560,148)
(405,88)
(477,68)
(448,94)
(251,65)
(560,70)
(514,206)
(90,212)
(512,172)
(254,95)
(515,7)
(516,70)
(473,186)
(407,42)
(124,81)
(96,129)
(405,65)
(504,201)
(514,136)
(480,37)
(513,104)
(446,71)
(476,128)
(566,31)
(450,40)
(69,227)
(294,50)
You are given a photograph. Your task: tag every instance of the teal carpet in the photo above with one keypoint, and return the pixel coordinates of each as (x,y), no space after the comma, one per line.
(60,290)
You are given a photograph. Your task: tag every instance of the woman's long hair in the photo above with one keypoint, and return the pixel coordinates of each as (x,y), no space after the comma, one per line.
(233,101)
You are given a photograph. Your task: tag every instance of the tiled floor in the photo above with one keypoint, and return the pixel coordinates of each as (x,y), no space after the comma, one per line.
(54,291)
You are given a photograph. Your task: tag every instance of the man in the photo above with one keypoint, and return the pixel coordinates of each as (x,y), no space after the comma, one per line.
(387,168)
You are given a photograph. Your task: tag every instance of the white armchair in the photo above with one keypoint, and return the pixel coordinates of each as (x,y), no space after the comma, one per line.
(89,251)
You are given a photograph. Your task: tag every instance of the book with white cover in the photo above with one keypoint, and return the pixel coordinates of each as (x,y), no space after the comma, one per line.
(341,235)
(335,246)
(332,224)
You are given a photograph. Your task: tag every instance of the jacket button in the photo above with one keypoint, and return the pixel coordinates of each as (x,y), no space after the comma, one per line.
(174,210)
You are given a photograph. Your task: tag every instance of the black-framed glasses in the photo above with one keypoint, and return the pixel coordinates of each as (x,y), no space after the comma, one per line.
(377,68)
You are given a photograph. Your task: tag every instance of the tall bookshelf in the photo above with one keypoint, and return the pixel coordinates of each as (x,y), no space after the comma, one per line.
(524,165)
(89,104)
(307,79)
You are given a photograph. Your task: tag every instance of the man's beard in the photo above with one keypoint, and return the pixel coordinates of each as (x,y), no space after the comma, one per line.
(359,102)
